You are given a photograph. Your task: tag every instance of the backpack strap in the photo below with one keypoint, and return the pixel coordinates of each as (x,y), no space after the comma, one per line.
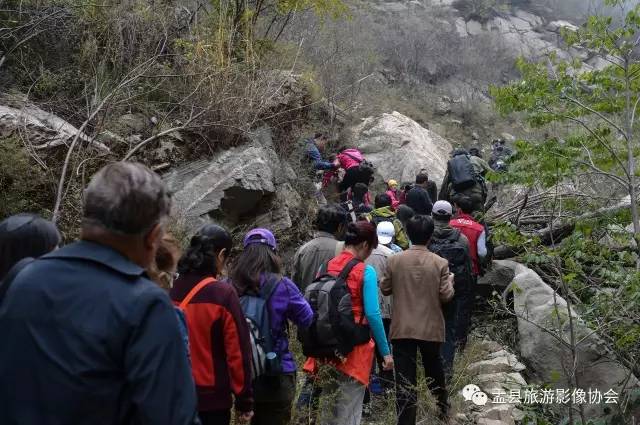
(13,273)
(353,157)
(192,293)
(347,269)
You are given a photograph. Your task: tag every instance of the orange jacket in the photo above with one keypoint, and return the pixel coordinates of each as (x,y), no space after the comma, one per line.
(359,361)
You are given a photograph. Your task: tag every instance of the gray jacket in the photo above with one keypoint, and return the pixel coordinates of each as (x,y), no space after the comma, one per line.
(313,254)
(378,260)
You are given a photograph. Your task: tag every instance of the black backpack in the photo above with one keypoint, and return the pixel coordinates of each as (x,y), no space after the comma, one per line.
(334,331)
(265,359)
(461,173)
(452,250)
(365,168)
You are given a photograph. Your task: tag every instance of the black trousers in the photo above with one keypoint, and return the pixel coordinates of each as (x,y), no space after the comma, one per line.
(405,354)
(352,177)
(273,399)
(215,417)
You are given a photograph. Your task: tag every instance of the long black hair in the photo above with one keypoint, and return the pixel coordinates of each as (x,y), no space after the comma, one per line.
(203,250)
(25,235)
(255,260)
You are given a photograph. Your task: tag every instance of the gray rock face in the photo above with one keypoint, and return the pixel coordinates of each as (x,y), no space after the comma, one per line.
(537,307)
(399,147)
(499,276)
(40,128)
(248,180)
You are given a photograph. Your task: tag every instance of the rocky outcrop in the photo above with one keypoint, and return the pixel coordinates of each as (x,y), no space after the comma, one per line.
(399,147)
(544,338)
(37,127)
(246,184)
(498,375)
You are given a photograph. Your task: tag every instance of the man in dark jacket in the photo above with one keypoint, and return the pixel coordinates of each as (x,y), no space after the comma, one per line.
(453,246)
(418,197)
(314,147)
(90,339)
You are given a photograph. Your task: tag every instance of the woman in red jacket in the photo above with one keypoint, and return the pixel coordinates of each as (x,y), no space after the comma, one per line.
(218,334)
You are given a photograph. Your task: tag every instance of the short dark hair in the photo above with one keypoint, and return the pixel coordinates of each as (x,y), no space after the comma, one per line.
(205,245)
(318,135)
(422,178)
(464,203)
(382,200)
(404,213)
(361,231)
(25,235)
(330,217)
(420,229)
(359,190)
(475,152)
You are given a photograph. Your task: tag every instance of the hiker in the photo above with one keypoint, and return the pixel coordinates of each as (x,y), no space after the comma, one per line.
(404,213)
(258,273)
(393,192)
(163,271)
(480,166)
(92,339)
(499,155)
(165,265)
(378,260)
(218,334)
(322,168)
(24,236)
(357,170)
(330,224)
(418,197)
(360,198)
(476,235)
(461,180)
(351,372)
(384,212)
(453,246)
(402,193)
(420,283)
(314,147)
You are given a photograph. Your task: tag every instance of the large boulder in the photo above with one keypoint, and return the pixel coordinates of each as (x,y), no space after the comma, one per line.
(545,337)
(236,186)
(399,147)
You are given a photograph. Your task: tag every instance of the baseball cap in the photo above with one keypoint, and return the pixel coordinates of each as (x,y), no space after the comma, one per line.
(386,232)
(260,236)
(392,182)
(442,208)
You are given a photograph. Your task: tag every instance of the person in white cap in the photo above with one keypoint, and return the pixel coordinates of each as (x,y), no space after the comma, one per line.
(378,260)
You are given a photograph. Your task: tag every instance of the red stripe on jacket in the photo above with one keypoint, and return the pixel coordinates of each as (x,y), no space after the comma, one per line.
(219,344)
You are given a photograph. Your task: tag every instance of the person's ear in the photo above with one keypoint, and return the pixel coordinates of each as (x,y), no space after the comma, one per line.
(154,236)
(221,260)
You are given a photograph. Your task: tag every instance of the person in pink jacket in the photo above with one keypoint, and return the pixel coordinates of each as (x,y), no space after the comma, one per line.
(350,160)
(392,191)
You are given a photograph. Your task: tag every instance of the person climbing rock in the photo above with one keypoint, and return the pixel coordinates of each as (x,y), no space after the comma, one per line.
(357,169)
(322,169)
(383,212)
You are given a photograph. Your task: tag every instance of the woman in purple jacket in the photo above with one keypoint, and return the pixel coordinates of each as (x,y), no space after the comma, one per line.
(273,395)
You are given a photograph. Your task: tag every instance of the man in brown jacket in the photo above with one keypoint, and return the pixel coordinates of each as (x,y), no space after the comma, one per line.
(420,283)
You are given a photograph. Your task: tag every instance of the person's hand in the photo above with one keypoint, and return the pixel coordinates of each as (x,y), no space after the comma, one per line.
(244,416)
(387,363)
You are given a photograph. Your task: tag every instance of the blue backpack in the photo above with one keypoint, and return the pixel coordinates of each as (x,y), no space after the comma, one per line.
(265,359)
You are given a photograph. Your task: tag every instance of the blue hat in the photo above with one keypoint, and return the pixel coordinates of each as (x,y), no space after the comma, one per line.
(260,236)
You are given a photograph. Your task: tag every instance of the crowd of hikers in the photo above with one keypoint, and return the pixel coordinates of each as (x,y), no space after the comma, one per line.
(124,326)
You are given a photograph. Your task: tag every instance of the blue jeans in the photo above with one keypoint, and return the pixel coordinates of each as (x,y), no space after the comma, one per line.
(457,319)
